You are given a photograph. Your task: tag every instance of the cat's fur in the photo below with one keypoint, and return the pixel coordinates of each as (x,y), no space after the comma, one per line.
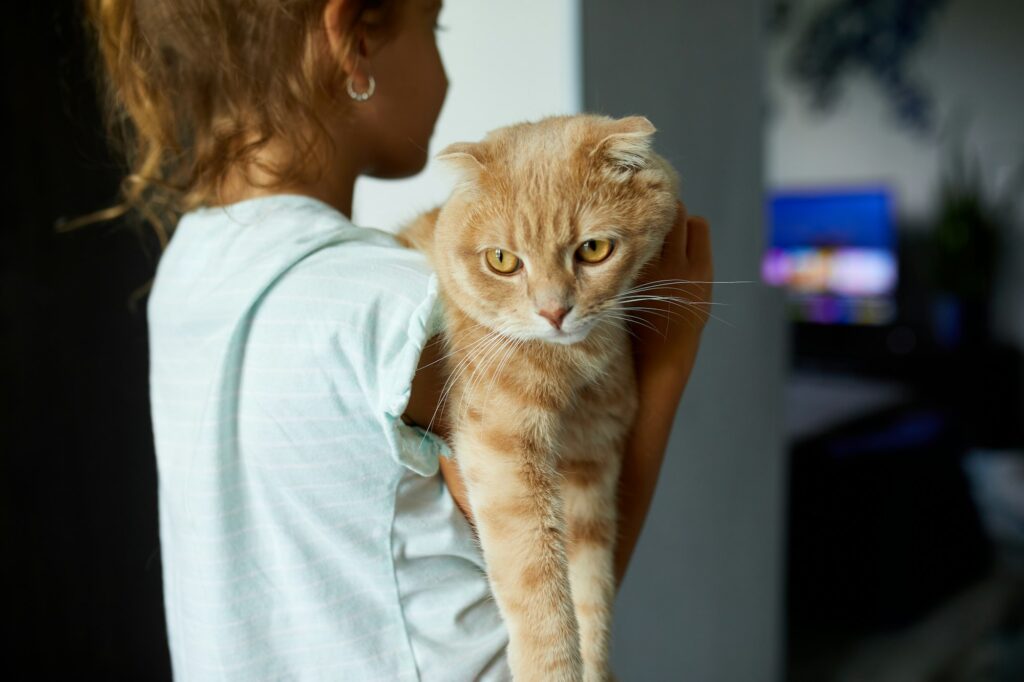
(539,417)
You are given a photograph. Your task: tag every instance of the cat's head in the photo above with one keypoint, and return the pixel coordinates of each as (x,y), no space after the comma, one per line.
(551,221)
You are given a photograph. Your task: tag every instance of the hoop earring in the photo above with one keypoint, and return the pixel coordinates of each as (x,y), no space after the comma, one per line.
(371,86)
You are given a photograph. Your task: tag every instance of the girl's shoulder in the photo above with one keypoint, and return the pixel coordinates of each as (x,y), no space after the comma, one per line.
(284,248)
(307,308)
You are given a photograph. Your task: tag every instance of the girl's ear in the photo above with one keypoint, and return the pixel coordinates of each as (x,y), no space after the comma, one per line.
(352,39)
(627,148)
(466,158)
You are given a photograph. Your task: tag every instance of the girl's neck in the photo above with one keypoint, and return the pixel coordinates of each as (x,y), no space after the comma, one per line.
(338,195)
(335,187)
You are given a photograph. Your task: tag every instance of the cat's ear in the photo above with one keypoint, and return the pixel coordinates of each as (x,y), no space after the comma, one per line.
(466,158)
(627,147)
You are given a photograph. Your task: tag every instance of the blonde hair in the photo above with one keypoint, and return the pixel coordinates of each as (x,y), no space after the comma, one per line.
(195,88)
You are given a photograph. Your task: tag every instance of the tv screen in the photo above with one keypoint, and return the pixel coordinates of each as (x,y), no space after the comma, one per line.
(834,250)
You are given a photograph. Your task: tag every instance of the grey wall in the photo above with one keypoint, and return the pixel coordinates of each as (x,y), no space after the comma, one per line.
(702,600)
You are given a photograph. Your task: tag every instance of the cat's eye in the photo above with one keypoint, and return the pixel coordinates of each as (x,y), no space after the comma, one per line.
(594,250)
(501,261)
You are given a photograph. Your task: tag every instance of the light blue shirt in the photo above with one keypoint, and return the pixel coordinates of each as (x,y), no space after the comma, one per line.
(305,531)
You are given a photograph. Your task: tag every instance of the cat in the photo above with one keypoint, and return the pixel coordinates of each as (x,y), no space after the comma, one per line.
(535,250)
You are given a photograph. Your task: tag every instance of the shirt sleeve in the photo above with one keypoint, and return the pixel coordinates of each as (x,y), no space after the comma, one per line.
(403,321)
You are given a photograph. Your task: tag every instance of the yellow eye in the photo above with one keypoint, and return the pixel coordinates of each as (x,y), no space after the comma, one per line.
(501,261)
(594,250)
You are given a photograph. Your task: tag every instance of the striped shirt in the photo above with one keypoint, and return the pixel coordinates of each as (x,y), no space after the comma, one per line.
(305,530)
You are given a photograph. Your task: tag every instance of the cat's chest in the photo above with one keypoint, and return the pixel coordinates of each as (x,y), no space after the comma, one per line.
(532,379)
(602,413)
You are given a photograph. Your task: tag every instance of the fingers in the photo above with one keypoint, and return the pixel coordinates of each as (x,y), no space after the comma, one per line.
(681,213)
(674,245)
(698,244)
(682,221)
(678,235)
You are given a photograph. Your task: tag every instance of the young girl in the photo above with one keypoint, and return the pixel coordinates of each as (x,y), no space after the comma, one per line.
(310,529)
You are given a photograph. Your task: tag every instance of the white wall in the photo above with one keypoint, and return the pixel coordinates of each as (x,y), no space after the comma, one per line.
(507,61)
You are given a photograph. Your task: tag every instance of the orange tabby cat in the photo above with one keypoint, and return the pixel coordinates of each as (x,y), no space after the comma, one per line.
(537,252)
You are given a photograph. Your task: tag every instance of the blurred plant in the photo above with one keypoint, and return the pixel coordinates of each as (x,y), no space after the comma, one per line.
(969,222)
(778,14)
(877,36)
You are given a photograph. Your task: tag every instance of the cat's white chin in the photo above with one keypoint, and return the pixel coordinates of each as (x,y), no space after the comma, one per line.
(565,338)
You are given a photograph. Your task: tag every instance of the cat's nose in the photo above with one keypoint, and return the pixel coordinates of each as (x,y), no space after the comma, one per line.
(555,316)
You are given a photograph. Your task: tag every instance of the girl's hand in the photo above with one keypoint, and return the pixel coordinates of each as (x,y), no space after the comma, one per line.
(667,331)
(672,298)
(427,386)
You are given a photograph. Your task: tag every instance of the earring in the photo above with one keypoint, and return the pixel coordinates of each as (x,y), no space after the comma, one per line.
(360,96)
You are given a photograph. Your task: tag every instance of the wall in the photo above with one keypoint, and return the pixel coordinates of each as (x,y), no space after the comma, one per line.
(702,600)
(507,61)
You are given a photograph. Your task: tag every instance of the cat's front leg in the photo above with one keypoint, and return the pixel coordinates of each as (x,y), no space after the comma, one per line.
(590,464)
(589,493)
(506,465)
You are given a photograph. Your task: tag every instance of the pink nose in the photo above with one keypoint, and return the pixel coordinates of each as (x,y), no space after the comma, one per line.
(555,316)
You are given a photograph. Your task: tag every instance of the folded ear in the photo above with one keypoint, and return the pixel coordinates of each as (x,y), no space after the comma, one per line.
(627,148)
(466,158)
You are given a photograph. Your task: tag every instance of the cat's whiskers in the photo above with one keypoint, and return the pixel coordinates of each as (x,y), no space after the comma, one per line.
(638,293)
(450,384)
(474,378)
(445,389)
(516,344)
(668,313)
(679,306)
(676,301)
(488,340)
(624,315)
(493,340)
(613,320)
(478,373)
(660,312)
(659,283)
(508,350)
(458,350)
(665,313)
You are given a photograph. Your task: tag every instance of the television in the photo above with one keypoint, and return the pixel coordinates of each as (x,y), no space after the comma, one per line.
(834,251)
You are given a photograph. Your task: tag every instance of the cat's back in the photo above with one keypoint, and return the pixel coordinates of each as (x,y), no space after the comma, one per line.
(419,234)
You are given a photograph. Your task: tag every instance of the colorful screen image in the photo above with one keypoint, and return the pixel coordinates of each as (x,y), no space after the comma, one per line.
(835,253)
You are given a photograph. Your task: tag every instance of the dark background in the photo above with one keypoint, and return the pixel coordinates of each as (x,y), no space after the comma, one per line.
(79,518)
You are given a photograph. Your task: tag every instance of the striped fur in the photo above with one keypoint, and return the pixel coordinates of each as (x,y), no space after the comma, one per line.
(540,415)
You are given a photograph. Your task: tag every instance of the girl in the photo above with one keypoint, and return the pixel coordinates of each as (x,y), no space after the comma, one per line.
(310,529)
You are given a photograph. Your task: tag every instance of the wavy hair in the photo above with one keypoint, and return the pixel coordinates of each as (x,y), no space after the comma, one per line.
(194,88)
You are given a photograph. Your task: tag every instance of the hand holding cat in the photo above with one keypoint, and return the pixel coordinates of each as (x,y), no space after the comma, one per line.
(674,292)
(664,356)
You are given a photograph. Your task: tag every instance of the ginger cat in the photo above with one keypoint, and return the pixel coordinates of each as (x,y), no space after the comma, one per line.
(537,253)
